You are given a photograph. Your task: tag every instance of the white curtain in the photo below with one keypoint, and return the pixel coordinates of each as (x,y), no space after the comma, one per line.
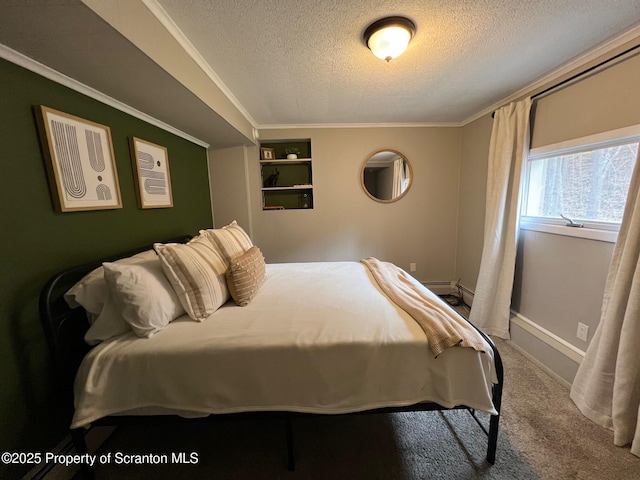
(508,147)
(607,386)
(398,177)
(406,176)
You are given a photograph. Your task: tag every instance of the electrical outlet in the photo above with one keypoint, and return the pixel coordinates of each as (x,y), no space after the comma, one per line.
(583,332)
(412,267)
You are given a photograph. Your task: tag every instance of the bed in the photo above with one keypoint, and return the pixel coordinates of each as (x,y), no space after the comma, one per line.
(319,338)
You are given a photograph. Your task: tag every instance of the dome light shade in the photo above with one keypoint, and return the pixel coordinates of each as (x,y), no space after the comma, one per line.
(389,37)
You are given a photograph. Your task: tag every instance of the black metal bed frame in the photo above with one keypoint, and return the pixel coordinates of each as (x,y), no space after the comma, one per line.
(65,328)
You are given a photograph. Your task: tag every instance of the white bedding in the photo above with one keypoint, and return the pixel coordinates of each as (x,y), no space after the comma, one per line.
(317,338)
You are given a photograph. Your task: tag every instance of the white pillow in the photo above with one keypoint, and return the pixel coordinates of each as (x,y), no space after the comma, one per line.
(143,295)
(90,292)
(110,323)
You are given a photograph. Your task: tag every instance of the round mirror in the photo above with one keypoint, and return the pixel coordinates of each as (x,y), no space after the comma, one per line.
(386,176)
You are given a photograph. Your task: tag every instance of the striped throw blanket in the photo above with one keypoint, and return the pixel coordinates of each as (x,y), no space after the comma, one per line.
(443,327)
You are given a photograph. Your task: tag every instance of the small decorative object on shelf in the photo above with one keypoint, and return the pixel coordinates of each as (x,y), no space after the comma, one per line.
(292,152)
(272,180)
(268,153)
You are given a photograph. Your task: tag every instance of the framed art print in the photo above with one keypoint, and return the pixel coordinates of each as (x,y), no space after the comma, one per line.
(267,153)
(79,161)
(151,171)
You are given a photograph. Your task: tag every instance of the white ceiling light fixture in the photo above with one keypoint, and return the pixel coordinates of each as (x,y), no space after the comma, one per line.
(389,37)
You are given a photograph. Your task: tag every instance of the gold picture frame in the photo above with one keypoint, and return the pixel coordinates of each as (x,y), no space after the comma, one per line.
(79,160)
(151,174)
(267,153)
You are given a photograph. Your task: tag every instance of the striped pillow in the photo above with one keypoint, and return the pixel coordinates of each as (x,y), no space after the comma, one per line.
(196,271)
(231,240)
(245,275)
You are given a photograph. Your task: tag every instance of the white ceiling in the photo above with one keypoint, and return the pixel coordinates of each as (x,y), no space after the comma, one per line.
(303,62)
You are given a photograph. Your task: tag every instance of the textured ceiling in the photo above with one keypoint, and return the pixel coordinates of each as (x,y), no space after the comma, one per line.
(304,62)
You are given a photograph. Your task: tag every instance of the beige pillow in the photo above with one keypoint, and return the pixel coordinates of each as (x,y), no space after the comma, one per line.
(231,240)
(245,275)
(196,271)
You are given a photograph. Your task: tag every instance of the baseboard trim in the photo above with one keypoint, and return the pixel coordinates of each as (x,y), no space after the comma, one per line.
(568,350)
(572,354)
(539,364)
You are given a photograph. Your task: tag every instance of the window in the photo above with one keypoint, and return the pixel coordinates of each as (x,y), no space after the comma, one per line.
(586,180)
(590,185)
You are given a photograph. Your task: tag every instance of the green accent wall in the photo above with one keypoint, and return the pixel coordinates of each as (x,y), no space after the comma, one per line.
(36,241)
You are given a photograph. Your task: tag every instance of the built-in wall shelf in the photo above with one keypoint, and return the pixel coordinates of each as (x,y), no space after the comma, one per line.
(284,160)
(273,189)
(287,183)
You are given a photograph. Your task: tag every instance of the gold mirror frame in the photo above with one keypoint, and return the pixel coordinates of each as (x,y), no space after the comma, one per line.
(385,159)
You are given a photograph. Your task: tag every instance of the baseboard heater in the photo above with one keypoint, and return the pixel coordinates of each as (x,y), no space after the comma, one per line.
(438,287)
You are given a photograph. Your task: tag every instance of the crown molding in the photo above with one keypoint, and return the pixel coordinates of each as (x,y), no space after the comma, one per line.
(165,19)
(629,36)
(174,30)
(602,50)
(357,125)
(49,73)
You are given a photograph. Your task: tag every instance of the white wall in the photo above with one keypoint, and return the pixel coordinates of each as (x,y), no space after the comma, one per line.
(439,223)
(345,224)
(472,191)
(559,280)
(607,100)
(230,195)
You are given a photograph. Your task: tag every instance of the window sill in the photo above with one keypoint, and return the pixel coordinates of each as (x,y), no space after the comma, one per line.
(609,236)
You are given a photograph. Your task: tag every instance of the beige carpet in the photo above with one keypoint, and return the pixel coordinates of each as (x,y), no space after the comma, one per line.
(543,423)
(542,436)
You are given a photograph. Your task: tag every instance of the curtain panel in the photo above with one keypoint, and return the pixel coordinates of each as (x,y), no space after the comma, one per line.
(507,149)
(606,388)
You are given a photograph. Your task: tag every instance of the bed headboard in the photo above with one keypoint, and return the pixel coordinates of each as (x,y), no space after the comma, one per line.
(65,327)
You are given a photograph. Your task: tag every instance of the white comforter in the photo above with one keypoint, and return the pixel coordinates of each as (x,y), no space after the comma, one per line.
(317,338)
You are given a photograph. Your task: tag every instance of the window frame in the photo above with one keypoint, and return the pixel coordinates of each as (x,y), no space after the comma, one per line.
(602,231)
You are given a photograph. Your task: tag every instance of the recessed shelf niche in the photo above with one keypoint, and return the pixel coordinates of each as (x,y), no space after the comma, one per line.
(287,183)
